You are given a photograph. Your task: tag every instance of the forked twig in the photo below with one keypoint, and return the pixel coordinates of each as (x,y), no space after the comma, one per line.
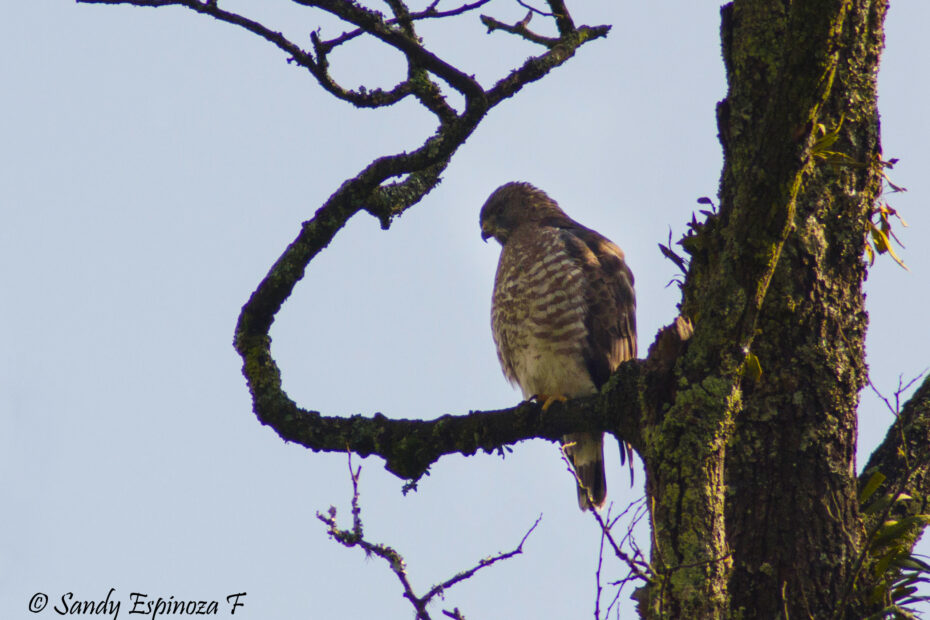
(355,537)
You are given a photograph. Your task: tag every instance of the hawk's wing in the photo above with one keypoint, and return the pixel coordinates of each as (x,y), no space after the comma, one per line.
(611,303)
(611,326)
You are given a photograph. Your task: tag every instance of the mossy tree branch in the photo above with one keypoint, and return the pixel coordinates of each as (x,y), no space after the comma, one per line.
(409,447)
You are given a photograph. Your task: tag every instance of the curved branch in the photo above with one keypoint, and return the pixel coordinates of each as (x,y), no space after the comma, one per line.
(410,447)
(257,315)
(361,98)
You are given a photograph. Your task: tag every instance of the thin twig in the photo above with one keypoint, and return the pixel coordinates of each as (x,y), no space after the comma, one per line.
(484,563)
(640,570)
(893,410)
(533,9)
(429,12)
(896,408)
(317,67)
(901,389)
(355,538)
(597,574)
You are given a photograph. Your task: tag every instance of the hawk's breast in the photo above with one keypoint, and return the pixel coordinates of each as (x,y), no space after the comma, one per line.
(538,315)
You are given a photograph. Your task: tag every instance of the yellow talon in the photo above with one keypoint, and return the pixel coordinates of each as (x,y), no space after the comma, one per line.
(548,400)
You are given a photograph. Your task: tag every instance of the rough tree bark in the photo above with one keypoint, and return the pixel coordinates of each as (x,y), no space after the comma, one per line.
(751,476)
(791,522)
(792,456)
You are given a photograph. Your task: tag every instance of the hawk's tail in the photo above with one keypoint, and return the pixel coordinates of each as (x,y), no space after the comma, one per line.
(586,452)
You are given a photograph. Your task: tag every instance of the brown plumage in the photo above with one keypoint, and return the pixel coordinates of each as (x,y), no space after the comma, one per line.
(563,313)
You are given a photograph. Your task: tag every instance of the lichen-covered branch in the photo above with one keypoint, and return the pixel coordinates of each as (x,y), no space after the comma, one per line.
(374,24)
(409,447)
(520,29)
(536,67)
(563,20)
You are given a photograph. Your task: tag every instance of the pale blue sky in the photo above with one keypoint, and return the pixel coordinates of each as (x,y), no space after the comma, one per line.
(153,165)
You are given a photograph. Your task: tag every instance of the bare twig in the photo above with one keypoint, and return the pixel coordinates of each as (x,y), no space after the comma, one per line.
(533,9)
(429,12)
(597,574)
(484,563)
(628,539)
(902,387)
(638,568)
(355,537)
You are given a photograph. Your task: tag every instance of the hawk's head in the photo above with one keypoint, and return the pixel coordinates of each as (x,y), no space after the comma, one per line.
(512,205)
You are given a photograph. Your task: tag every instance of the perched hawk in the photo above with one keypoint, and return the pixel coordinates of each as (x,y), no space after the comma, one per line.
(563,312)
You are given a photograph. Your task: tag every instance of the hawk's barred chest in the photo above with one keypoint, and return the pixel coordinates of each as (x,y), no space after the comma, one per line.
(538,314)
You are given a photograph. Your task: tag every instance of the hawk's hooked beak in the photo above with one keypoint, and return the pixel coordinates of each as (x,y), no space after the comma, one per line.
(485,235)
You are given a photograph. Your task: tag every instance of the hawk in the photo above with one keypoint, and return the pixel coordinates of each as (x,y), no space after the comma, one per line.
(563,313)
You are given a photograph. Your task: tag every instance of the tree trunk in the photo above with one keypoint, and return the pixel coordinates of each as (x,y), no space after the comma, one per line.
(756,512)
(793,521)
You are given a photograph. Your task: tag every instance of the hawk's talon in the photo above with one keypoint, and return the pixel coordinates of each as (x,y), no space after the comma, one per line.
(548,400)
